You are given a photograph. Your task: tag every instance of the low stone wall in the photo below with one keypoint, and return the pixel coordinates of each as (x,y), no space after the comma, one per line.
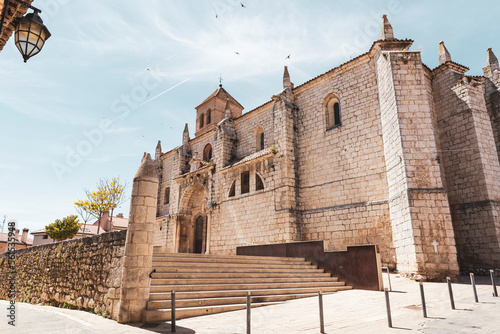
(81,273)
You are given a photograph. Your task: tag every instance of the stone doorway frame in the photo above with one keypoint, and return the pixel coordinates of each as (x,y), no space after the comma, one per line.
(192,205)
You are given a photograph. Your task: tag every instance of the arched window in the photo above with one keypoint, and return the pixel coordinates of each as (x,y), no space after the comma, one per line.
(259,139)
(209,116)
(259,185)
(332,109)
(167,196)
(202,119)
(207,152)
(245,182)
(232,191)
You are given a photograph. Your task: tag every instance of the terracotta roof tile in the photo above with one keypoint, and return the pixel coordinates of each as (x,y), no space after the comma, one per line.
(252,156)
(4,237)
(222,94)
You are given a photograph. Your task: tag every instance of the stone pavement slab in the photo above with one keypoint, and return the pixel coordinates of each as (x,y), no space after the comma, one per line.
(354,311)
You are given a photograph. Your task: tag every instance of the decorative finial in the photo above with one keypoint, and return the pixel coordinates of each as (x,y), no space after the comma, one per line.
(220,80)
(444,55)
(492,61)
(185,135)
(227,110)
(387,32)
(158,150)
(286,79)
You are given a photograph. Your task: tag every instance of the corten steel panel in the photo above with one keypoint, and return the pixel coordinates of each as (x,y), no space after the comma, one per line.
(356,267)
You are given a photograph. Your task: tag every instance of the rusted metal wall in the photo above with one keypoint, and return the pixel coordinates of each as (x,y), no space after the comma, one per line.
(358,267)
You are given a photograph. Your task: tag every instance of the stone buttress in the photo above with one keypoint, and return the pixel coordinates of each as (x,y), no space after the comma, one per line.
(469,157)
(421,222)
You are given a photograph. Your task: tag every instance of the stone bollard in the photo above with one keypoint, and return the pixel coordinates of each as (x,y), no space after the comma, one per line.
(137,264)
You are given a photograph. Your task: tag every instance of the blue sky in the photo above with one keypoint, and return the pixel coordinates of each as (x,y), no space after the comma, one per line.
(116,76)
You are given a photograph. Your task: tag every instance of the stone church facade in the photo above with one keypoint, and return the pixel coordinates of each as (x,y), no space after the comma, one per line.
(379,150)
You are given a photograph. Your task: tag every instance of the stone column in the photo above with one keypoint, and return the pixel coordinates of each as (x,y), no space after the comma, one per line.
(134,293)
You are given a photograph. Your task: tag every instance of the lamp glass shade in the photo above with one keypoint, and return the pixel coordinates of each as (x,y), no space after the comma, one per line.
(30,35)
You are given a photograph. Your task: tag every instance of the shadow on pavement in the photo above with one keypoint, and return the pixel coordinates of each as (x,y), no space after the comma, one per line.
(163,327)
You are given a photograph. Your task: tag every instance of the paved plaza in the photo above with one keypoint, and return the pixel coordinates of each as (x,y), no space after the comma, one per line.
(354,311)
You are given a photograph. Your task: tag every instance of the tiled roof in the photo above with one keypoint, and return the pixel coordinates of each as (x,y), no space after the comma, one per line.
(450,62)
(120,222)
(222,94)
(4,237)
(252,156)
(91,229)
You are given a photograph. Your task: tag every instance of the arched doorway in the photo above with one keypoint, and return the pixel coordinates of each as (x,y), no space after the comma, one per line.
(192,222)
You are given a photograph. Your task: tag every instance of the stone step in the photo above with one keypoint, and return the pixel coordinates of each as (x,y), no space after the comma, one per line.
(183,303)
(202,281)
(216,269)
(249,286)
(200,260)
(208,284)
(157,252)
(239,293)
(228,265)
(154,316)
(188,275)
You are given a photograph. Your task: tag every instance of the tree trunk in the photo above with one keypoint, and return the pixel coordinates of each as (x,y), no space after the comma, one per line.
(99,223)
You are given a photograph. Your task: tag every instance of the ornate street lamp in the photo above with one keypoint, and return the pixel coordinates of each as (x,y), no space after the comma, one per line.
(31,34)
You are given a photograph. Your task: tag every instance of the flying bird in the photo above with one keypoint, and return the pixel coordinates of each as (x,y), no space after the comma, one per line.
(216,16)
(288,57)
(242,5)
(237,53)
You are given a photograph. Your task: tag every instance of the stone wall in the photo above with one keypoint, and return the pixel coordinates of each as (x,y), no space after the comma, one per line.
(257,207)
(81,273)
(342,179)
(248,124)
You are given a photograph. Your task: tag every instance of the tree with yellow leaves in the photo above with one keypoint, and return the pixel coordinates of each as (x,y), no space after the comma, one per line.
(63,229)
(108,196)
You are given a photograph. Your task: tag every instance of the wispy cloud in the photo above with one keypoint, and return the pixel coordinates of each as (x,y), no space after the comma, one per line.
(112,157)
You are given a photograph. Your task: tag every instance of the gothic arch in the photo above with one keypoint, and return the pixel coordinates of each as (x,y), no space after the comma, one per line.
(232,189)
(261,178)
(192,193)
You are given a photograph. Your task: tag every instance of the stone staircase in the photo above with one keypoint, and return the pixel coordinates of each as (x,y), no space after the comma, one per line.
(208,284)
